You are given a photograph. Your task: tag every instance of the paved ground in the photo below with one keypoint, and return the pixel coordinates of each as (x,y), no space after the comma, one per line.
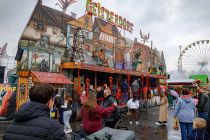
(146,130)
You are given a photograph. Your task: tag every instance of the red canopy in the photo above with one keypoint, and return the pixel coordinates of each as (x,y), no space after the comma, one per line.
(51,78)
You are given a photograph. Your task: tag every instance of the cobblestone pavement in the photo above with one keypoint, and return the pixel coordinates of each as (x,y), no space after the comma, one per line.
(147,129)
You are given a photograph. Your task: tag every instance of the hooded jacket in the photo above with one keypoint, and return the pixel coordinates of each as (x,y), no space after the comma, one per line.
(185,109)
(32,122)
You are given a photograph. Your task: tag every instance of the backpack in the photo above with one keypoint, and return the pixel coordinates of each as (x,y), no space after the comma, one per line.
(117,113)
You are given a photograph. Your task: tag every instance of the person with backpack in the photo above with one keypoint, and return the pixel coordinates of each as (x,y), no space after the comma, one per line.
(111,119)
(58,101)
(133,105)
(185,112)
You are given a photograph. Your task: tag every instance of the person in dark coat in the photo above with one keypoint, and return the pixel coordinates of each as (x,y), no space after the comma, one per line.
(109,120)
(124,89)
(203,104)
(32,120)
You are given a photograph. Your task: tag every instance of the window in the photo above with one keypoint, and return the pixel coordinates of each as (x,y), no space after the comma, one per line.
(39,25)
(44,40)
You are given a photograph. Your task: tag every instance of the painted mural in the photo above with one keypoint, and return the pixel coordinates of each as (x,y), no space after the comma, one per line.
(7,102)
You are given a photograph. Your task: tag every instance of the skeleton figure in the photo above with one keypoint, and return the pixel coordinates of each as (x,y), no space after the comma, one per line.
(3,50)
(76,50)
(44,66)
(137,59)
(65,3)
(144,37)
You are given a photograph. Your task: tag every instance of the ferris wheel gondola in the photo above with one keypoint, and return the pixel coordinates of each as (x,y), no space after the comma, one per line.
(195,58)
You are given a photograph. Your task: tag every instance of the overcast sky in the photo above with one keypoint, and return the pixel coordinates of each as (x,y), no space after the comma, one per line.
(170,22)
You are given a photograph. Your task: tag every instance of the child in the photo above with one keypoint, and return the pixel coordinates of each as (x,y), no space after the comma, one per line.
(199,130)
(133,105)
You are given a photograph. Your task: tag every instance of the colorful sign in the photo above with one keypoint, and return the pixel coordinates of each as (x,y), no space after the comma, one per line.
(97,10)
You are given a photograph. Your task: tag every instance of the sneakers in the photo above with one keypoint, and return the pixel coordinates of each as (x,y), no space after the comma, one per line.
(157,123)
(130,122)
(137,123)
(67,131)
(165,124)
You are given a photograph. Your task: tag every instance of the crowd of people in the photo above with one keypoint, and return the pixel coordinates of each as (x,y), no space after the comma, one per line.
(47,110)
(33,120)
(192,109)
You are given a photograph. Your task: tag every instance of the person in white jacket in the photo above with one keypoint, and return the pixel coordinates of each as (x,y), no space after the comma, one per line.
(133,105)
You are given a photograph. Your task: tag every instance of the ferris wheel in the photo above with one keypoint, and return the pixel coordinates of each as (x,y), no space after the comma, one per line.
(195,58)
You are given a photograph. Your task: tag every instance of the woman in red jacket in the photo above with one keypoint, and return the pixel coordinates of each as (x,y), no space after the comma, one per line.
(92,114)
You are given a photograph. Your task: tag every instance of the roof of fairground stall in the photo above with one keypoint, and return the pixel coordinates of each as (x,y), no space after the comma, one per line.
(180,81)
(92,67)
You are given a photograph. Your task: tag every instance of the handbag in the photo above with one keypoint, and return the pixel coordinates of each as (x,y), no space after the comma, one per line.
(129,113)
(175,124)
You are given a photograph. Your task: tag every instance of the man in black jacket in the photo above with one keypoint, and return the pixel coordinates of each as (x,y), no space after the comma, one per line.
(32,120)
(203,104)
(109,120)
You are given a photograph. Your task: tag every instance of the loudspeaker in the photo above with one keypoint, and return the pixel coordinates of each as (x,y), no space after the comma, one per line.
(19,54)
(2,70)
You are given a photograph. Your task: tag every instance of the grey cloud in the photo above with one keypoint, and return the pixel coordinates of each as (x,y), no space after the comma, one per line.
(170,22)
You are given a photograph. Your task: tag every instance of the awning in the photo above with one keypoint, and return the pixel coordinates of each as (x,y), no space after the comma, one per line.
(51,78)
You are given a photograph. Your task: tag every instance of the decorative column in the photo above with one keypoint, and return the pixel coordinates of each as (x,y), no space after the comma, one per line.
(29,59)
(87,85)
(129,80)
(51,62)
(68,38)
(110,82)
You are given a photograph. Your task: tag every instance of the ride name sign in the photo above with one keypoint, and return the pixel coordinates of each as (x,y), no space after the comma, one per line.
(101,12)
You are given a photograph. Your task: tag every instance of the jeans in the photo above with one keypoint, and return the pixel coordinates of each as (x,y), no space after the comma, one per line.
(186,130)
(66,118)
(124,97)
(203,115)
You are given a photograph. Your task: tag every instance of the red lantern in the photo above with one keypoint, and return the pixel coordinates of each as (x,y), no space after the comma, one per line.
(129,80)
(110,82)
(87,85)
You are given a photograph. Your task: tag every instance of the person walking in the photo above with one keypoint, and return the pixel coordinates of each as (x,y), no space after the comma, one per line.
(114,89)
(92,115)
(163,113)
(32,120)
(67,107)
(133,105)
(58,101)
(203,104)
(109,121)
(124,90)
(199,130)
(185,111)
(135,88)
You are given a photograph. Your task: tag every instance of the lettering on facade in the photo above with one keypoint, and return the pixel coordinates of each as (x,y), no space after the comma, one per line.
(101,12)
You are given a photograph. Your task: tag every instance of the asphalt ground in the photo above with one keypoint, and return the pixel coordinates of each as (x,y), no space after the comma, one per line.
(146,130)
